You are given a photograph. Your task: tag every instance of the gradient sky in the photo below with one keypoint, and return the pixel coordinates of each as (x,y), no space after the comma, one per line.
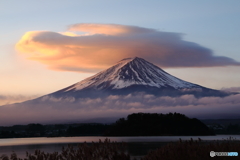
(211,24)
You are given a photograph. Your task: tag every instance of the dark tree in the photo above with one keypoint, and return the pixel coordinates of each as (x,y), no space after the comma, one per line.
(153,124)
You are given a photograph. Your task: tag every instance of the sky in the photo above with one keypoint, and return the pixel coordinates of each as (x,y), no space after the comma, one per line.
(48,45)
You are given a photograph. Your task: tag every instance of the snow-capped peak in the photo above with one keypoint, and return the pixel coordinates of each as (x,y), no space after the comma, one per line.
(131,71)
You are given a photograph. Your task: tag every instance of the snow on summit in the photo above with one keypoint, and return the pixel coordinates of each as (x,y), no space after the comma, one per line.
(128,72)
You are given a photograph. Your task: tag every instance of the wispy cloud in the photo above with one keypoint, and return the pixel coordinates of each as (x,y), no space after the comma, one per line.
(101,45)
(9,99)
(49,109)
(231,89)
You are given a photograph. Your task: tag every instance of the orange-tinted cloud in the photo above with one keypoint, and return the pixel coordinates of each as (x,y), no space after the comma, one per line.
(102,45)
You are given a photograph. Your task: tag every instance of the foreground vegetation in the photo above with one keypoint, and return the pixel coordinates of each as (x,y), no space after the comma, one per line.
(96,151)
(182,150)
(194,150)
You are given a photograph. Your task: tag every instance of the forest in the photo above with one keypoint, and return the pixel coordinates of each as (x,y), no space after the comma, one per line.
(154,124)
(136,124)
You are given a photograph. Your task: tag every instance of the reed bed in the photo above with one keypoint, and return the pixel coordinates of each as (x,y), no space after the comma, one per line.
(194,150)
(107,150)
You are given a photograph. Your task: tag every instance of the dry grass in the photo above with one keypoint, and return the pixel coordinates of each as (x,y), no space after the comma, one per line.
(194,150)
(106,150)
(96,151)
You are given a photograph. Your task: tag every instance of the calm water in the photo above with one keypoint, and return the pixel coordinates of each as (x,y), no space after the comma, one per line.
(138,145)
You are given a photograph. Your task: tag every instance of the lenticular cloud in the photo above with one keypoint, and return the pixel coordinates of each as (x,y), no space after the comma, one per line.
(94,47)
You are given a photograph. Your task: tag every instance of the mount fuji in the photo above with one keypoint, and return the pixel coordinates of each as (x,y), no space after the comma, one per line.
(132,85)
(132,75)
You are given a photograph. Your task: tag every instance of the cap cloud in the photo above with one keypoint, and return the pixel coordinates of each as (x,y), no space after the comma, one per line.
(111,43)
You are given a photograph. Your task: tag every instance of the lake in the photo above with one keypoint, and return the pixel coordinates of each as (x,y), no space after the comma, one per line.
(136,145)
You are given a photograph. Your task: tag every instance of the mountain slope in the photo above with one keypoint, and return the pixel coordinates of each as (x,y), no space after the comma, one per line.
(132,85)
(134,75)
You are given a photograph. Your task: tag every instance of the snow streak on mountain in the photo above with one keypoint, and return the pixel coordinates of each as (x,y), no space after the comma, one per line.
(132,71)
(134,75)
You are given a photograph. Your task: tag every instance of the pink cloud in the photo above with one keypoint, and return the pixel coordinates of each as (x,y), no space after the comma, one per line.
(231,89)
(9,99)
